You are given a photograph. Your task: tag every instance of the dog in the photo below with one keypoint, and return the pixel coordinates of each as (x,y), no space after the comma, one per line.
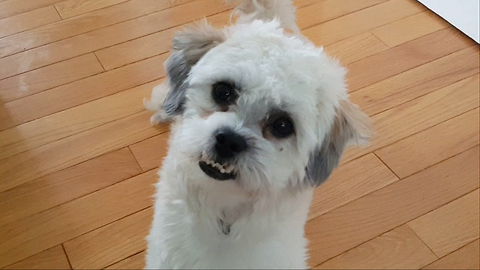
(260,118)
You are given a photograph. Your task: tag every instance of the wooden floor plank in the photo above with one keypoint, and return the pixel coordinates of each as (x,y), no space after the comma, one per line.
(136,261)
(349,182)
(147,46)
(78,155)
(419,114)
(327,10)
(27,236)
(66,152)
(361,220)
(107,36)
(150,152)
(83,23)
(70,95)
(433,145)
(71,8)
(66,185)
(355,48)
(73,120)
(456,224)
(53,258)
(28,20)
(49,77)
(396,249)
(419,81)
(410,28)
(10,8)
(404,57)
(466,257)
(361,21)
(106,246)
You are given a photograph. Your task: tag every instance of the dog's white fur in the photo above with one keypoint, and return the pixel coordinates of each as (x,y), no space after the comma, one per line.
(256,220)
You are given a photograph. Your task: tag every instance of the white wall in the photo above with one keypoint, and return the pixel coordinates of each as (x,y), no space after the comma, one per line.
(463,14)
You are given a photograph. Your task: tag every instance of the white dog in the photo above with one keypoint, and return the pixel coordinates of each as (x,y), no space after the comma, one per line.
(260,118)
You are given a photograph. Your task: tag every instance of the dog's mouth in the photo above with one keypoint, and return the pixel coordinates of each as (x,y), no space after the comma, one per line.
(217,171)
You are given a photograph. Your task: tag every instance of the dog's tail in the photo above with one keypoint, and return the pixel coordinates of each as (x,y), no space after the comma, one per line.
(282,10)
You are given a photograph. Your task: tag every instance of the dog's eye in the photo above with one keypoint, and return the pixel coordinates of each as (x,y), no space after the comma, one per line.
(282,127)
(224,93)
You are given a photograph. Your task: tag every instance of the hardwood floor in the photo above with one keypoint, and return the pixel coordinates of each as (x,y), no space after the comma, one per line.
(78,156)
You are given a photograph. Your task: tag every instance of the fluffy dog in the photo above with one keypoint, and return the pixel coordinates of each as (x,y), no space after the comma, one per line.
(260,118)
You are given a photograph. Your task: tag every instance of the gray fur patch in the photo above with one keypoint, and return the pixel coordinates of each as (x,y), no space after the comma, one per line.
(188,47)
(350,126)
(177,70)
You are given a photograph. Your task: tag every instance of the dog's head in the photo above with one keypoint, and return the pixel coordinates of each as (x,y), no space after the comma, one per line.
(258,107)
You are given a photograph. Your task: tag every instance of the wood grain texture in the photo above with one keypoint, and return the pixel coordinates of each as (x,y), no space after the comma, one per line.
(89,89)
(28,20)
(396,249)
(327,10)
(10,8)
(466,257)
(410,28)
(108,245)
(363,219)
(71,8)
(78,155)
(27,236)
(349,182)
(48,77)
(64,153)
(456,224)
(73,120)
(54,258)
(404,57)
(419,114)
(361,21)
(66,185)
(419,81)
(355,48)
(104,37)
(150,152)
(83,23)
(433,145)
(136,261)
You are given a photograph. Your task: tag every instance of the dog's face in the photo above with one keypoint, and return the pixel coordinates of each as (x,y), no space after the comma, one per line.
(257,107)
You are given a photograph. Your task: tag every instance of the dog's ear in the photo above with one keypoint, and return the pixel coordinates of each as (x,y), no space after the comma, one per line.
(351,126)
(189,46)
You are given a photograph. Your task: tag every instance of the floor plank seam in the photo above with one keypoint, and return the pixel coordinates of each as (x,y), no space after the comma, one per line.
(439,258)
(389,48)
(61,18)
(356,246)
(399,179)
(68,136)
(111,222)
(422,95)
(147,82)
(105,26)
(66,255)
(421,239)
(100,62)
(388,167)
(123,259)
(136,160)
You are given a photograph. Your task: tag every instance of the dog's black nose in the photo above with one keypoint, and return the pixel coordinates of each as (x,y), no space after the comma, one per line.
(229,143)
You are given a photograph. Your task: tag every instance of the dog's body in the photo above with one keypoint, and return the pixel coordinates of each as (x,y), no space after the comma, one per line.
(261,118)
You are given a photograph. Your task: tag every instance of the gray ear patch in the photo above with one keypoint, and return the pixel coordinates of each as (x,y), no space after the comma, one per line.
(325,159)
(177,70)
(350,126)
(189,46)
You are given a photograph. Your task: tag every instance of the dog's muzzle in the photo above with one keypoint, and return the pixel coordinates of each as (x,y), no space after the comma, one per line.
(228,145)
